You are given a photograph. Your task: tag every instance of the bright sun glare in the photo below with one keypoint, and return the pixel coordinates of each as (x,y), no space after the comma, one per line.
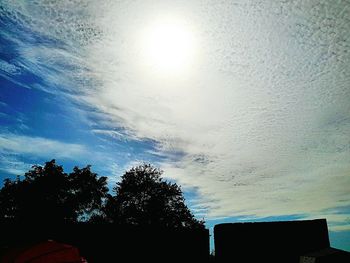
(168,47)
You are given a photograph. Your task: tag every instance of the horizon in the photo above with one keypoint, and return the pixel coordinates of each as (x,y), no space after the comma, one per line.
(243,104)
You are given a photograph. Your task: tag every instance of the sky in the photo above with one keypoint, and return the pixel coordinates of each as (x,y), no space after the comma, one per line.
(245,104)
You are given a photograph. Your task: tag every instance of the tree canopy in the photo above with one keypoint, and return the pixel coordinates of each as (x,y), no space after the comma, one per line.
(48,194)
(141,198)
(144,198)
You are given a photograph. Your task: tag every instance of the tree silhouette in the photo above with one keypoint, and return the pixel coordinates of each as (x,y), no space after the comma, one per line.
(48,194)
(144,198)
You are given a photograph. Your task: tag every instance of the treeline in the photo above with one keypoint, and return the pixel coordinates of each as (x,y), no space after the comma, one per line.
(48,194)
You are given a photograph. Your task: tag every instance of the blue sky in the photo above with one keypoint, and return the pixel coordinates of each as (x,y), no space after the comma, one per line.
(244,104)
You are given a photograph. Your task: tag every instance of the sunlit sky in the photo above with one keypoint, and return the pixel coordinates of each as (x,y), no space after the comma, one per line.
(246,104)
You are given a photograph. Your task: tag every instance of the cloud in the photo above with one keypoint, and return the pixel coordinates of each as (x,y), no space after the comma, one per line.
(115,134)
(8,68)
(19,152)
(10,164)
(258,127)
(38,146)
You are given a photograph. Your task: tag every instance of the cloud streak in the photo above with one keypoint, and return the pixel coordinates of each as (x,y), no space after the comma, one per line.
(38,146)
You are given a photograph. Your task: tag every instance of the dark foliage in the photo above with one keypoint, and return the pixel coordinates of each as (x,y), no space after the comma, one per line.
(144,198)
(48,194)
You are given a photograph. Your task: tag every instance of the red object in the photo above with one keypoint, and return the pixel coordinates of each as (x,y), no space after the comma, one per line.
(45,252)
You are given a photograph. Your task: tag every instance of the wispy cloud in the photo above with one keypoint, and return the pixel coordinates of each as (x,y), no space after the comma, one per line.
(115,134)
(19,152)
(260,125)
(38,146)
(11,165)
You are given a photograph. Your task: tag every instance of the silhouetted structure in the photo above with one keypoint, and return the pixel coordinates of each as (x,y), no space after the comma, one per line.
(271,241)
(112,243)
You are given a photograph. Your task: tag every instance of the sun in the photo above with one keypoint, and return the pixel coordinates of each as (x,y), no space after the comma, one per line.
(168,47)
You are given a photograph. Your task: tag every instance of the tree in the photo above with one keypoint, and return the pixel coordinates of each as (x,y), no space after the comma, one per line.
(48,194)
(89,191)
(144,198)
